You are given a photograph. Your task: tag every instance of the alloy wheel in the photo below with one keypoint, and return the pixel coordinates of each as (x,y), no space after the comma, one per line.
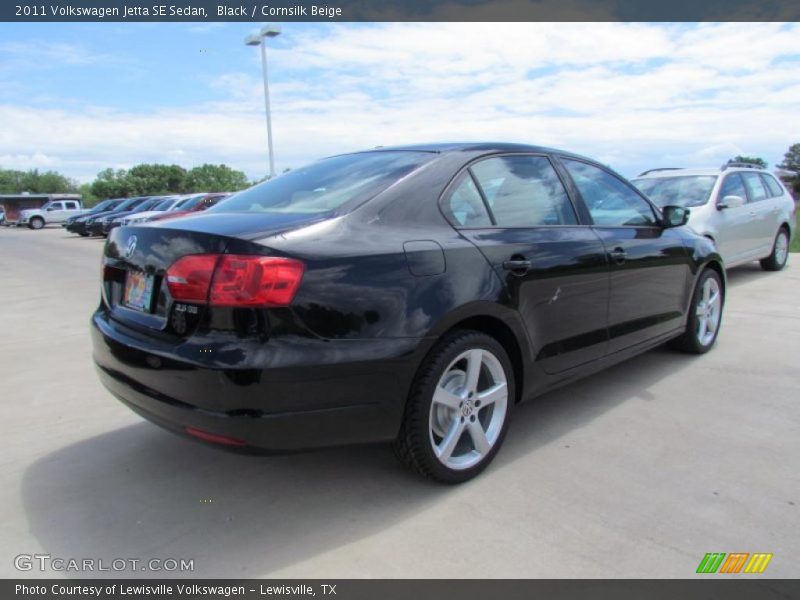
(781,248)
(708,311)
(469,408)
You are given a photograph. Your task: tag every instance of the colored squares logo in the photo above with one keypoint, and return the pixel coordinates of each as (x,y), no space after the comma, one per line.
(735,562)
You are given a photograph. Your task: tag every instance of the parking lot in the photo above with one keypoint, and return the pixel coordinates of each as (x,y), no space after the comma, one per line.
(635,472)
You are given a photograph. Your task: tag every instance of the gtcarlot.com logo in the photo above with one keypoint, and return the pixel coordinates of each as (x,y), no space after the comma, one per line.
(735,562)
(48,562)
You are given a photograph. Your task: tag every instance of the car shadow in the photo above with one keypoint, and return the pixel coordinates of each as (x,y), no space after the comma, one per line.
(140,492)
(746,273)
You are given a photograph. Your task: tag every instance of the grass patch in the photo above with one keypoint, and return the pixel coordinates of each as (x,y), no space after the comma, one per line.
(795,246)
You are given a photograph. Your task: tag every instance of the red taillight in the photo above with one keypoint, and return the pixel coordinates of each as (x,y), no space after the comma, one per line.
(235,280)
(214,437)
(255,281)
(189,278)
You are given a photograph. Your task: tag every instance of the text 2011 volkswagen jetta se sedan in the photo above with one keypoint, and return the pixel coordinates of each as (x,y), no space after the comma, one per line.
(412,294)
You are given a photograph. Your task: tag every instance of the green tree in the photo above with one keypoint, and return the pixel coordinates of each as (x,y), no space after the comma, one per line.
(215,178)
(111,183)
(152,179)
(34,181)
(750,159)
(791,160)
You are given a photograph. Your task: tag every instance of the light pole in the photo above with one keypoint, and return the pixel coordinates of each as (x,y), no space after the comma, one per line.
(261,40)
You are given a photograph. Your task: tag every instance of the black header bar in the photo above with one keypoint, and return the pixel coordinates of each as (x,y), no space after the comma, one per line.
(399,10)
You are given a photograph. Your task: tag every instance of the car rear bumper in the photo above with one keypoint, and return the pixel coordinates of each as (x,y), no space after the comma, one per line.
(282,409)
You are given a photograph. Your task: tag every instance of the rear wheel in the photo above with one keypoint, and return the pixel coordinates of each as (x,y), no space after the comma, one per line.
(780,252)
(705,315)
(459,407)
(36,223)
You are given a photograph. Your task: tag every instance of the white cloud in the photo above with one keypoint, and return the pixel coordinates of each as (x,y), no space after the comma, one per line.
(634,95)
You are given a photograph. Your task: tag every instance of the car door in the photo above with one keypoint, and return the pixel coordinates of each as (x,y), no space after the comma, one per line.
(732,224)
(649,265)
(516,210)
(759,211)
(55,212)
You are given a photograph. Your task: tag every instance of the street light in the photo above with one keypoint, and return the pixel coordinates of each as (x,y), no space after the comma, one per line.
(260,40)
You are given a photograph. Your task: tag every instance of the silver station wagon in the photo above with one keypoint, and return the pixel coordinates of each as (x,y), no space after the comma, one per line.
(745,210)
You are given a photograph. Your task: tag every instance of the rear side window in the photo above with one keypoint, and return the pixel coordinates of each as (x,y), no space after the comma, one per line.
(756,190)
(773,186)
(611,202)
(72,205)
(524,191)
(732,185)
(329,184)
(464,206)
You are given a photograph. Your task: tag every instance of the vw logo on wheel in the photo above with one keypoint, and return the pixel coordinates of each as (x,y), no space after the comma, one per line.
(131,247)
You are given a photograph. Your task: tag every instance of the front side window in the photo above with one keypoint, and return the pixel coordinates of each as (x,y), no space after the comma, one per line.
(329,184)
(686,190)
(773,186)
(56,206)
(611,202)
(756,190)
(732,185)
(524,191)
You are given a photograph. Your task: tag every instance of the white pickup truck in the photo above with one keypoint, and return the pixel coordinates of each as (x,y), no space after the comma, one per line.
(54,211)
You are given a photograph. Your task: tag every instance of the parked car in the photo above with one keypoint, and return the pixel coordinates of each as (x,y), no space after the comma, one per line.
(192,204)
(96,224)
(115,220)
(101,206)
(165,204)
(411,294)
(2,216)
(78,224)
(55,211)
(745,210)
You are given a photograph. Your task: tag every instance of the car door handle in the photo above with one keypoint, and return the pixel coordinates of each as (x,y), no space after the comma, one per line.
(618,255)
(518,266)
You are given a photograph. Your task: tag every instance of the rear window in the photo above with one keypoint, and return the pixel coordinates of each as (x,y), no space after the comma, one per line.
(327,185)
(773,186)
(686,191)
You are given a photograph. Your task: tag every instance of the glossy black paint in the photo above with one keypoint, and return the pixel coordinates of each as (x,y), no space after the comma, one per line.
(382,284)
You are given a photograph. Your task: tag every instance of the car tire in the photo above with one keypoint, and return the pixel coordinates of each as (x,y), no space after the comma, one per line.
(36,223)
(705,315)
(458,409)
(780,252)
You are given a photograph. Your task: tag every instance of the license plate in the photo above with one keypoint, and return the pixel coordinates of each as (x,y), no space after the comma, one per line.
(138,291)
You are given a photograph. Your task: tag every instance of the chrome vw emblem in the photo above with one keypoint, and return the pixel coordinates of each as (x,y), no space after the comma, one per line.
(467,408)
(131,247)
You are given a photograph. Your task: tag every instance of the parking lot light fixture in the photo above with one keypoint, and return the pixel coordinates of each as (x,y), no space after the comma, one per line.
(261,40)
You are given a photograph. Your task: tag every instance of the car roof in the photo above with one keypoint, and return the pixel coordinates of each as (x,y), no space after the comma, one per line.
(476,147)
(709,171)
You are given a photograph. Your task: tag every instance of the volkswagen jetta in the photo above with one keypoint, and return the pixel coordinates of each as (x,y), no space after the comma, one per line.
(409,294)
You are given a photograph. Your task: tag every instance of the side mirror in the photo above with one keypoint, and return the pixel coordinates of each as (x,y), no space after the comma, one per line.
(730,202)
(675,216)
(49,208)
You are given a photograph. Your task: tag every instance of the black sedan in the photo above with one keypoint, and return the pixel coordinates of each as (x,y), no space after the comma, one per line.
(98,224)
(78,223)
(410,294)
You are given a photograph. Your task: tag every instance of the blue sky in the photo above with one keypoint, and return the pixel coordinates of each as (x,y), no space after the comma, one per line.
(82,97)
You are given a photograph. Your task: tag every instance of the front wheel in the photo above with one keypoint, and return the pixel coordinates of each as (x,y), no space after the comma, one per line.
(459,408)
(36,223)
(705,315)
(780,252)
